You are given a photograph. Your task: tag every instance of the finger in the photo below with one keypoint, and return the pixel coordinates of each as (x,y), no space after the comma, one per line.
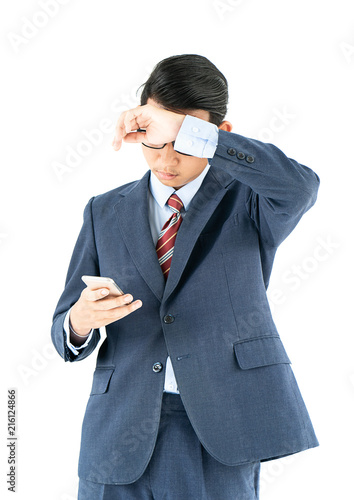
(132,119)
(109,303)
(139,117)
(120,312)
(92,295)
(135,137)
(119,132)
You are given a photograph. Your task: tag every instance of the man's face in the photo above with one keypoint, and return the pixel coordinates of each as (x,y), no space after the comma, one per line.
(172,168)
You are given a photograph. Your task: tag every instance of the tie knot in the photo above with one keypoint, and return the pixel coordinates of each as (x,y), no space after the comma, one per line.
(175,203)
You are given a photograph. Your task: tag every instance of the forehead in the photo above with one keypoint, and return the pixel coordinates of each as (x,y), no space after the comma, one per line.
(198,113)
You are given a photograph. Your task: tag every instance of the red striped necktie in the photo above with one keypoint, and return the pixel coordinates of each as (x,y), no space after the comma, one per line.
(166,242)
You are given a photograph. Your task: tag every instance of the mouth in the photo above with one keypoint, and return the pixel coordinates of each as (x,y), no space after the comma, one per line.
(166,176)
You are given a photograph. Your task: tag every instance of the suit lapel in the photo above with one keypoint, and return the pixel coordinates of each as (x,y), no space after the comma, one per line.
(133,221)
(204,203)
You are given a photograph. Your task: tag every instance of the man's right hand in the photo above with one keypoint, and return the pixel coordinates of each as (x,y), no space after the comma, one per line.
(94,309)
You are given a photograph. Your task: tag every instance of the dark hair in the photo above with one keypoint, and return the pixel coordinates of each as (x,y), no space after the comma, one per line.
(188,81)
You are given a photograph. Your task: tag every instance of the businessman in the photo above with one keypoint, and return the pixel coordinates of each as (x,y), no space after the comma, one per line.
(193,388)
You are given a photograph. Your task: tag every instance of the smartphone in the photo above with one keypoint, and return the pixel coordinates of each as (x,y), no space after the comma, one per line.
(96,282)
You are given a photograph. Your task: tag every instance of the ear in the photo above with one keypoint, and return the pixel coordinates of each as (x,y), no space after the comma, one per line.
(225,125)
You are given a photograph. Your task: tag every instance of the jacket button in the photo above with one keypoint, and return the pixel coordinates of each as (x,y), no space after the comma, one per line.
(157,367)
(231,151)
(168,319)
(241,156)
(249,159)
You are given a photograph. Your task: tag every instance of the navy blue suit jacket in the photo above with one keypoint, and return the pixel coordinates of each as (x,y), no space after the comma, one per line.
(212,317)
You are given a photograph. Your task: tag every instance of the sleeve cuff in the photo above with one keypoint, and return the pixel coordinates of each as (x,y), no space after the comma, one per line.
(197,137)
(74,349)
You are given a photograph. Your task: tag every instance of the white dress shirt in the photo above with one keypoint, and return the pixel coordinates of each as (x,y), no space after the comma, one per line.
(198,138)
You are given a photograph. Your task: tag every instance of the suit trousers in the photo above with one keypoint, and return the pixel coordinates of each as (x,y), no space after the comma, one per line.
(180,468)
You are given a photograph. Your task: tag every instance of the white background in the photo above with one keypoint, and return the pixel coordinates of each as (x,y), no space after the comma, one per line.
(81,67)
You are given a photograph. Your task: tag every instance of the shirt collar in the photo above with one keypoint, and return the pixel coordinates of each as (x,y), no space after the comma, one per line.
(161,193)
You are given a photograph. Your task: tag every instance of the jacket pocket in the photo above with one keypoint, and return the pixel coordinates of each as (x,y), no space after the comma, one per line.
(261,351)
(101,378)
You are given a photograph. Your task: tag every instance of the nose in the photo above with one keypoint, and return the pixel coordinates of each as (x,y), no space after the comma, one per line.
(168,155)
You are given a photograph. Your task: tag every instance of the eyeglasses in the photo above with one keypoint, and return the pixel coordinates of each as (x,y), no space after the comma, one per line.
(159,146)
